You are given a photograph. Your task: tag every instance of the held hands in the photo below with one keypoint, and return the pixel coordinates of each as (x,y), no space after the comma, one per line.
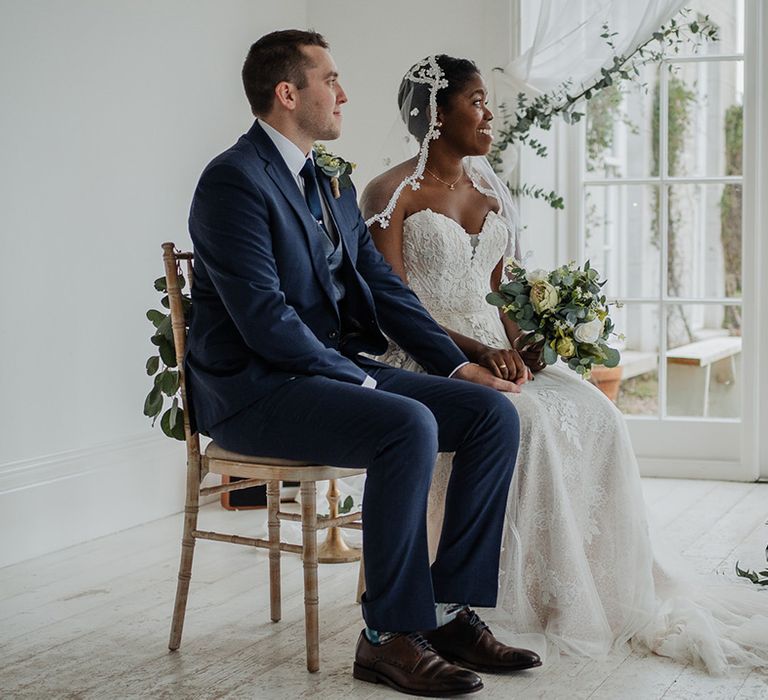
(473,372)
(505,364)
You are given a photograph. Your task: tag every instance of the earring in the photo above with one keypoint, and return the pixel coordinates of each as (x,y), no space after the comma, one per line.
(438,124)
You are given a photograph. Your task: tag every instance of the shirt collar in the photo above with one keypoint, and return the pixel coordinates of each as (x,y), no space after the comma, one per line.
(290,152)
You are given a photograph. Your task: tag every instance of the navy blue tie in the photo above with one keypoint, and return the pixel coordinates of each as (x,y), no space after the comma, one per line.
(312,194)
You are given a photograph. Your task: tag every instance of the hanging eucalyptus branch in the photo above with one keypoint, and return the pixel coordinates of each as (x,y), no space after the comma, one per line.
(552,198)
(166,379)
(563,101)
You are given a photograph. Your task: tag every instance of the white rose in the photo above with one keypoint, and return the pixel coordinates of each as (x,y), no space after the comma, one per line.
(588,332)
(536,276)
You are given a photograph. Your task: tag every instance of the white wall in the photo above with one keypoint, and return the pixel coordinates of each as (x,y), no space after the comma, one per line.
(109,112)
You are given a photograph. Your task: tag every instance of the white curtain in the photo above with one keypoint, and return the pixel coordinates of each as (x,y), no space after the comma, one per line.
(567,44)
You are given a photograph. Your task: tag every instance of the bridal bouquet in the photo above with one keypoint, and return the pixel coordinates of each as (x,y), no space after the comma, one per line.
(563,311)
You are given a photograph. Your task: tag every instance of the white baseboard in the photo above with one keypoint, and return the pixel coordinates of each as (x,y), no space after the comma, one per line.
(56,501)
(694,469)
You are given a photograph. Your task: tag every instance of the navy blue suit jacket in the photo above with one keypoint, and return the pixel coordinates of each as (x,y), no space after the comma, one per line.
(263,310)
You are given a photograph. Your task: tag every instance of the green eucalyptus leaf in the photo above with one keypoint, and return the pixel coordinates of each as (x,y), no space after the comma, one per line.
(166,328)
(174,412)
(153,364)
(161,284)
(496,299)
(612,357)
(167,352)
(169,382)
(153,404)
(346,506)
(156,317)
(175,431)
(549,355)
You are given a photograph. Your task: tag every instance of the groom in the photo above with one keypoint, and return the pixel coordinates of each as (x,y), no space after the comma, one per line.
(289,290)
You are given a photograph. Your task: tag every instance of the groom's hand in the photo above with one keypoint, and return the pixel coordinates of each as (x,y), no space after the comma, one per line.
(505,364)
(480,375)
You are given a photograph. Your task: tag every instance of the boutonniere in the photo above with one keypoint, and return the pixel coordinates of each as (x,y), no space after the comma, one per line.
(335,167)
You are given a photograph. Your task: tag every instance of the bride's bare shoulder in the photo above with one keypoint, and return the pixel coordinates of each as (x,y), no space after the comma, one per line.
(378,192)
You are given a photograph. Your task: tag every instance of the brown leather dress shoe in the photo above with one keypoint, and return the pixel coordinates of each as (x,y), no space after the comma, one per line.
(466,640)
(409,664)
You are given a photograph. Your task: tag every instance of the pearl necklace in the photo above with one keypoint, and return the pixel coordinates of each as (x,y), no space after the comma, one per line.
(449,185)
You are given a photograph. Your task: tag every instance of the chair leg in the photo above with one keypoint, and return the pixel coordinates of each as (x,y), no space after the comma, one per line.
(273,505)
(187,551)
(361,579)
(309,556)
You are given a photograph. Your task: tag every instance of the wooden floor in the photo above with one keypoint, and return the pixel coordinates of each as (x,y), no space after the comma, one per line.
(92,621)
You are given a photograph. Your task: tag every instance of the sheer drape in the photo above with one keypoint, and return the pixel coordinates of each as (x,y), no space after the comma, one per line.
(567,43)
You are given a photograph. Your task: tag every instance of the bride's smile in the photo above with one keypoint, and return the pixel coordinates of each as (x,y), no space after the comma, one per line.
(467,120)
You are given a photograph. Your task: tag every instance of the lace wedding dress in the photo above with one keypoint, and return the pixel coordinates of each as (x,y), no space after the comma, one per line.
(577,563)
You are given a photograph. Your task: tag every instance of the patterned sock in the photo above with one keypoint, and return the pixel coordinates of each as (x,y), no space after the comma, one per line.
(376,637)
(446,612)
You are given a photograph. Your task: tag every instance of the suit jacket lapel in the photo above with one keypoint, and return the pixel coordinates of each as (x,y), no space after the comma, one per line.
(281,176)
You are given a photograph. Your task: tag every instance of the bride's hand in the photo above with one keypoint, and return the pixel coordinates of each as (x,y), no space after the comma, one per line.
(532,359)
(505,364)
(530,352)
(473,372)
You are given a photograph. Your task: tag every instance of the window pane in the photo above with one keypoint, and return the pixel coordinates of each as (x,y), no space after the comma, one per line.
(621,238)
(622,128)
(704,241)
(728,17)
(704,360)
(639,388)
(705,118)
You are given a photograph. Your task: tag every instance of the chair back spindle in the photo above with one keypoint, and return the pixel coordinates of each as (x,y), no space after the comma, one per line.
(171,261)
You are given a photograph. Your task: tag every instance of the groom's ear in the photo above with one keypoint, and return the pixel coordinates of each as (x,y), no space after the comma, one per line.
(285,95)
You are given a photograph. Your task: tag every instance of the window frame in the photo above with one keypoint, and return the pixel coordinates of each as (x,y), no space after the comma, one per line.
(713,448)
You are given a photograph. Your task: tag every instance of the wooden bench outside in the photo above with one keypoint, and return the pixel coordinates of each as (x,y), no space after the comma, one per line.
(702,378)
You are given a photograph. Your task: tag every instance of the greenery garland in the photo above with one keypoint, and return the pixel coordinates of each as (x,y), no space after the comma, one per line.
(163,366)
(563,101)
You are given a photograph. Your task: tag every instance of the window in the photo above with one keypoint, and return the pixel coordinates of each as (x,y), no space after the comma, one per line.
(662,217)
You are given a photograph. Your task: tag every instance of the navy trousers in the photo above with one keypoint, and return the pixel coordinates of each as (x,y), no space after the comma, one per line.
(395,432)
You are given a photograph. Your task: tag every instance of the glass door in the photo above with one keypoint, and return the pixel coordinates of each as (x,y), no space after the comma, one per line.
(665,219)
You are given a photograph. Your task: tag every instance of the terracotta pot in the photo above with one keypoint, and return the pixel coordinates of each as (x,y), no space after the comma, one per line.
(607,379)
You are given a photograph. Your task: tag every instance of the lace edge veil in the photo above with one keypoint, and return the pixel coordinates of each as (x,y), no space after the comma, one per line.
(414,132)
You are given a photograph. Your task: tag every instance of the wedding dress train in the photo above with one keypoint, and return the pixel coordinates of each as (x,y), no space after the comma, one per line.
(577,562)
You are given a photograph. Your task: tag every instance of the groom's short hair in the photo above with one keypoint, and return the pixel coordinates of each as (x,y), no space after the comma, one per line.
(274,58)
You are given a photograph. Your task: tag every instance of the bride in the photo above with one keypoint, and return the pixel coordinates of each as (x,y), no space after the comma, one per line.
(577,563)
